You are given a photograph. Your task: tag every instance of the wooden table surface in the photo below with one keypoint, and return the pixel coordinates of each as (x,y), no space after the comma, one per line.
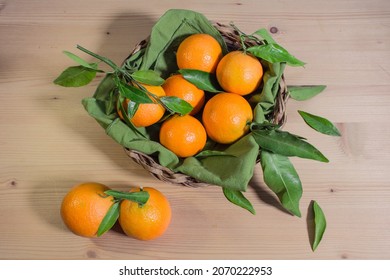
(48,142)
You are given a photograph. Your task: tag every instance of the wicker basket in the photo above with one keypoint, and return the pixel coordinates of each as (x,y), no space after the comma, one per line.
(232,39)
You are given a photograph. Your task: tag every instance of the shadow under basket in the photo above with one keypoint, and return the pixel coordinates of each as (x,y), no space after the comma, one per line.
(278,115)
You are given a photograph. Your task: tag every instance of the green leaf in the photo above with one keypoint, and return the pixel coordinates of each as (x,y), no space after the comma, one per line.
(148,77)
(101,58)
(127,115)
(176,105)
(133,93)
(319,225)
(275,53)
(132,108)
(202,80)
(82,62)
(236,197)
(287,144)
(320,124)
(281,177)
(140,197)
(75,76)
(109,219)
(263,33)
(301,93)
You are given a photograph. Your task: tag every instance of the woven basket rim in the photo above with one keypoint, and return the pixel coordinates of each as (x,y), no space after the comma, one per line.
(150,164)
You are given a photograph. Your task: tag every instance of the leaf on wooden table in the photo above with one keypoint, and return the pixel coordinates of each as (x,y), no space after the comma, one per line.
(281,177)
(320,124)
(319,225)
(236,197)
(75,76)
(302,93)
(287,144)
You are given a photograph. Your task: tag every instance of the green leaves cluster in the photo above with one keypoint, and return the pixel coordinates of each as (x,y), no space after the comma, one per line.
(279,174)
(128,84)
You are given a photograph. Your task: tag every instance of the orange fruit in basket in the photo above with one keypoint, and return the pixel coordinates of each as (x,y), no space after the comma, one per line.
(200,52)
(84,207)
(177,86)
(185,136)
(148,113)
(226,117)
(147,221)
(240,73)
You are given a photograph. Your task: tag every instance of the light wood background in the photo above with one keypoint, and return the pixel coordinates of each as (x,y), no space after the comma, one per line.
(48,143)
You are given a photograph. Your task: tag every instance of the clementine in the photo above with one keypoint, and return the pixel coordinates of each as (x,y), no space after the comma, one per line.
(200,52)
(239,73)
(183,135)
(149,113)
(226,117)
(147,221)
(84,207)
(177,86)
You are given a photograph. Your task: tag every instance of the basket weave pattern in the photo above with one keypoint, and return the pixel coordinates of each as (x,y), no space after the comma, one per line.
(233,42)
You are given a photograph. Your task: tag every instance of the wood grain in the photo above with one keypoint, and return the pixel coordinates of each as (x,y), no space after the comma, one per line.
(48,143)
